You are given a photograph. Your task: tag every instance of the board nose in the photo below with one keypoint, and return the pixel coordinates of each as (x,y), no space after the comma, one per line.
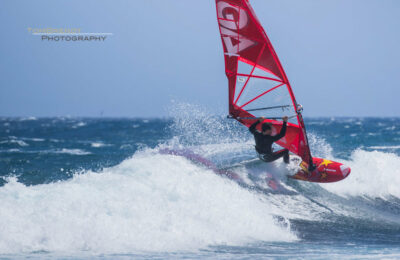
(345,170)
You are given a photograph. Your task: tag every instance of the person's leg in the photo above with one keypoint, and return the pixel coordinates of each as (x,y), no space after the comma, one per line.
(281,153)
(286,156)
(276,155)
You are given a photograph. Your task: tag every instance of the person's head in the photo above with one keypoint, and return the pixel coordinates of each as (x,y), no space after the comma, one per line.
(266,129)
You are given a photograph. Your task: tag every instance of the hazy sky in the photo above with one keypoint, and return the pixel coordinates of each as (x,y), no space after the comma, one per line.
(342,57)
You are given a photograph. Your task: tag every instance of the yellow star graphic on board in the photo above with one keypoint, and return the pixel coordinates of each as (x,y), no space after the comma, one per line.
(325,162)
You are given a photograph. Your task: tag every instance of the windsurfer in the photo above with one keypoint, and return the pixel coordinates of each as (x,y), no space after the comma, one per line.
(264,141)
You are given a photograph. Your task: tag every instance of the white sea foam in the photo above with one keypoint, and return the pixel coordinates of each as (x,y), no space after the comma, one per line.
(70,151)
(73,151)
(98,144)
(126,146)
(80,124)
(147,203)
(13,150)
(33,139)
(382,147)
(15,141)
(373,174)
(30,118)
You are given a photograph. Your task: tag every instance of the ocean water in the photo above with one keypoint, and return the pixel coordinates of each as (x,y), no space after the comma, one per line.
(88,188)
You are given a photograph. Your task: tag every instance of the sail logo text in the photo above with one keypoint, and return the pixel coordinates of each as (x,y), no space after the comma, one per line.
(231,20)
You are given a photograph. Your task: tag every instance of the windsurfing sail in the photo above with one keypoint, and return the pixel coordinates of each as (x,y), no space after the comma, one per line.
(258,85)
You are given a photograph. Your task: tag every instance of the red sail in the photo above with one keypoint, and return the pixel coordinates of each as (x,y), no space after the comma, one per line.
(258,85)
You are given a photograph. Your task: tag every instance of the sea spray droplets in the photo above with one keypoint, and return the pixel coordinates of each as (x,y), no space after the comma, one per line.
(319,146)
(194,125)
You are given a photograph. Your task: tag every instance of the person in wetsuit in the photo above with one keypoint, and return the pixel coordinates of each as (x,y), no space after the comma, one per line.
(264,141)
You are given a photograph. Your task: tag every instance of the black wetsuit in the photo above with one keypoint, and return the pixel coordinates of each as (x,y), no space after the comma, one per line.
(264,144)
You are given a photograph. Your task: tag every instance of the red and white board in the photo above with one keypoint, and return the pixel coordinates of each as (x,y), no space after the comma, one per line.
(325,171)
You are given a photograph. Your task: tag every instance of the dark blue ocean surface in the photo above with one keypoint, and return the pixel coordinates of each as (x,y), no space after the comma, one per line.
(98,187)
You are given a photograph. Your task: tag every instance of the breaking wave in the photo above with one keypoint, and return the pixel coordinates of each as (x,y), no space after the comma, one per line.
(150,202)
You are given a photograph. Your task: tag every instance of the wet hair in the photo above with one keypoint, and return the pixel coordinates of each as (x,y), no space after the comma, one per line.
(266,127)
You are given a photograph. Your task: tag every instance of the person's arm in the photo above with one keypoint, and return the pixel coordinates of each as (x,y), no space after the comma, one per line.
(283,130)
(252,128)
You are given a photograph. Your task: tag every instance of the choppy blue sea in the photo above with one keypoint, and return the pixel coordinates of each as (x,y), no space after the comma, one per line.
(99,188)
